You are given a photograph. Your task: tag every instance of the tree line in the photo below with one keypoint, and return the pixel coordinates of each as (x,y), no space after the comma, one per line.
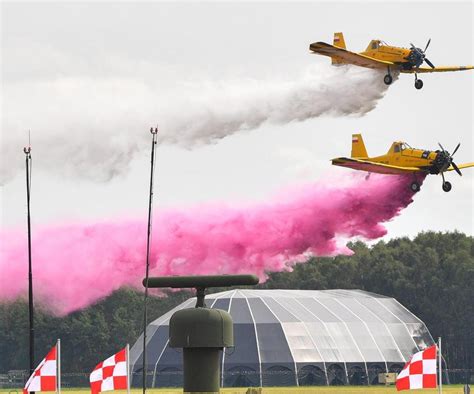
(432,275)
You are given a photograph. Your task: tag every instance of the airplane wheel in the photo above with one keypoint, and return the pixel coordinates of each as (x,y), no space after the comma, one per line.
(415,187)
(418,84)
(447,186)
(388,79)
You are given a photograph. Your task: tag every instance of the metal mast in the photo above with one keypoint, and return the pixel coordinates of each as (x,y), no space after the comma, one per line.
(27,151)
(154,133)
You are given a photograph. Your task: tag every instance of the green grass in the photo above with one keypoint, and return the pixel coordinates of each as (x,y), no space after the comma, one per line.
(451,389)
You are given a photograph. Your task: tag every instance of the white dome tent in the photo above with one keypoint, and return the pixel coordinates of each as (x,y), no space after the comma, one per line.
(295,337)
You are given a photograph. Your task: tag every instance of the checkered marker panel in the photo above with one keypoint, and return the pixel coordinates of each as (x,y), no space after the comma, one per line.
(419,372)
(110,374)
(44,376)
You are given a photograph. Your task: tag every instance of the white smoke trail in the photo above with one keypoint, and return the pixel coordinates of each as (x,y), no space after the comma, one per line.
(93,127)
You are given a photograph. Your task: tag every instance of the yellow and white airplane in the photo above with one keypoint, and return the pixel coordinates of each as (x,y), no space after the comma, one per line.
(379,55)
(402,159)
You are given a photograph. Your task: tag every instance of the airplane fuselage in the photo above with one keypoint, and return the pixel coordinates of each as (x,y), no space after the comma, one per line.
(402,159)
(406,58)
(378,55)
(388,53)
(401,155)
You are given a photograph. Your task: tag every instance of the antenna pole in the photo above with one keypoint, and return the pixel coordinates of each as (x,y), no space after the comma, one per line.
(440,369)
(27,151)
(154,133)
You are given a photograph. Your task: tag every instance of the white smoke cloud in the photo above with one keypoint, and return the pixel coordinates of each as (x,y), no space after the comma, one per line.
(92,128)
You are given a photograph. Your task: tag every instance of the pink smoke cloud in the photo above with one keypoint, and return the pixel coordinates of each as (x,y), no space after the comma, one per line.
(77,264)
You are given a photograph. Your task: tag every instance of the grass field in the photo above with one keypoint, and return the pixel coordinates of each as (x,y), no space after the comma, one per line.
(451,389)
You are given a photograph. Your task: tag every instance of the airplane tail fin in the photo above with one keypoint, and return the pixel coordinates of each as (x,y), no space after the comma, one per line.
(358,147)
(340,43)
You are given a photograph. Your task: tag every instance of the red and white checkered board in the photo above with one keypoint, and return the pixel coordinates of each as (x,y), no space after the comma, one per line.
(44,376)
(419,372)
(110,374)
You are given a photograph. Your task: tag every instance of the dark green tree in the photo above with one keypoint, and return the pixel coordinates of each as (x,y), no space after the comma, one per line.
(432,275)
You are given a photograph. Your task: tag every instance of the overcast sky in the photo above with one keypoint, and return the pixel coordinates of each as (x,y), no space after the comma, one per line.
(119,60)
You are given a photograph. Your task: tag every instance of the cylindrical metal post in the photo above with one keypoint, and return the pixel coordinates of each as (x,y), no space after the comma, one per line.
(154,133)
(201,370)
(30,269)
(202,333)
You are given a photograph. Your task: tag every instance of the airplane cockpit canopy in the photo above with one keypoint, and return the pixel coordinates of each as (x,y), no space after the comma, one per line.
(375,44)
(404,146)
(400,147)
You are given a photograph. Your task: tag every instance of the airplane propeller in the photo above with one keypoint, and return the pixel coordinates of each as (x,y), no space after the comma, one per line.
(420,55)
(427,45)
(455,149)
(449,157)
(427,61)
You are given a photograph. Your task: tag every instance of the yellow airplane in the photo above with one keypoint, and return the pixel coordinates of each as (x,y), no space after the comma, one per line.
(402,159)
(379,55)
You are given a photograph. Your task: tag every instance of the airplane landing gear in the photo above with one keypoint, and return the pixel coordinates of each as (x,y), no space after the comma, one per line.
(415,187)
(388,79)
(447,186)
(418,83)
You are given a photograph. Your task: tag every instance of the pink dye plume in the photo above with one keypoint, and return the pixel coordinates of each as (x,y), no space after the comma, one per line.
(77,264)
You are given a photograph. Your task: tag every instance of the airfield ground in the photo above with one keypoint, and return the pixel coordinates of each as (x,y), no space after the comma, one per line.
(451,389)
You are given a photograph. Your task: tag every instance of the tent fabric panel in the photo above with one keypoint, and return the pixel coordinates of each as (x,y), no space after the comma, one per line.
(241,375)
(404,341)
(245,347)
(301,344)
(318,310)
(278,374)
(221,303)
(398,310)
(337,374)
(171,358)
(282,314)
(385,341)
(272,344)
(298,310)
(325,342)
(240,311)
(137,348)
(358,309)
(342,313)
(312,374)
(370,345)
(344,342)
(164,319)
(365,342)
(379,310)
(260,311)
(169,377)
(157,342)
(420,335)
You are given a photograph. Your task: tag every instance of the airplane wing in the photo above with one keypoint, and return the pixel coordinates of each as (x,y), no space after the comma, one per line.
(370,166)
(461,166)
(437,69)
(345,56)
